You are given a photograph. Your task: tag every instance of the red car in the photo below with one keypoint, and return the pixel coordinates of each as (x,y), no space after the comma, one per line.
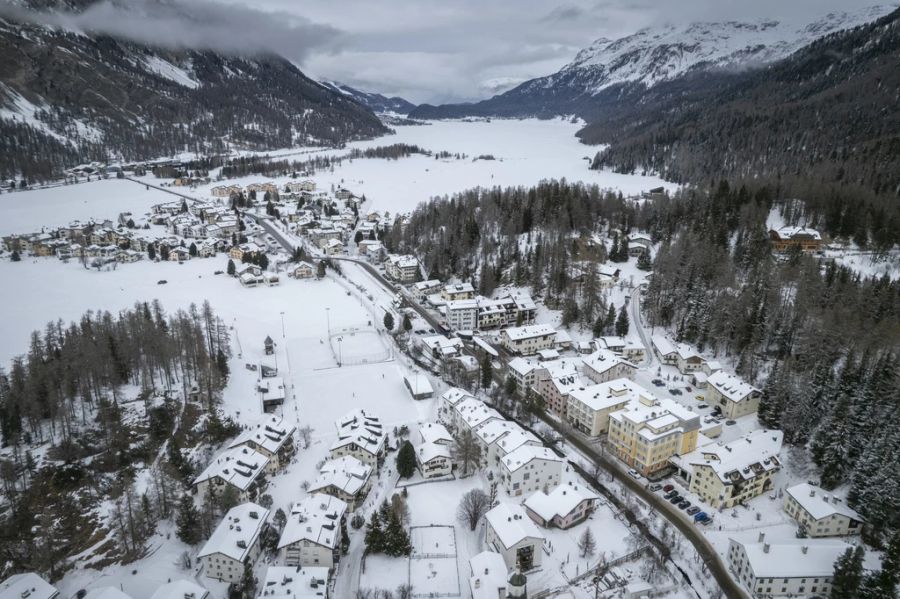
(668,488)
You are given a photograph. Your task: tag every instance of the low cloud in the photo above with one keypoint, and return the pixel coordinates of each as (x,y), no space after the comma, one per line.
(195,25)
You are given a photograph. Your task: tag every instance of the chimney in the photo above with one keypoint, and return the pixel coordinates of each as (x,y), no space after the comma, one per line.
(765,547)
(804,549)
(762,537)
(812,492)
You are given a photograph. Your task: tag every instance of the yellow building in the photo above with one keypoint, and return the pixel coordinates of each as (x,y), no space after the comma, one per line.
(733,396)
(724,475)
(649,431)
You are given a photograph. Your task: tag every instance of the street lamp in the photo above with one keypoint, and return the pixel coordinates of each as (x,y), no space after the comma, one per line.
(282,324)
(340,351)
(328,320)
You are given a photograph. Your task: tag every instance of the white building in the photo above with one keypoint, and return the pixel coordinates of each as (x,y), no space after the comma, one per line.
(529,469)
(589,407)
(346,478)
(470,413)
(457,291)
(732,395)
(237,467)
(423,289)
(432,432)
(402,268)
(677,354)
(106,593)
(447,404)
(27,585)
(603,365)
(498,438)
(528,340)
(285,582)
(233,543)
(312,535)
(821,514)
(271,436)
(801,567)
(462,315)
(434,460)
(512,534)
(564,507)
(360,435)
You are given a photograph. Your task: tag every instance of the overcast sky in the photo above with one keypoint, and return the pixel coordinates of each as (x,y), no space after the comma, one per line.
(424,50)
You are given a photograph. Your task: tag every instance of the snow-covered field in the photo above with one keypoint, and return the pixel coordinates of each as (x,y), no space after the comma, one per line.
(525,152)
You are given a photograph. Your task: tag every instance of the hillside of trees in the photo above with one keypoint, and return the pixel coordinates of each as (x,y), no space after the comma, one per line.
(96,98)
(826,114)
(90,407)
(794,327)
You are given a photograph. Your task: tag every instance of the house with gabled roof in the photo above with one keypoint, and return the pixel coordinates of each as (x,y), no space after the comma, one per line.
(528,469)
(346,478)
(361,435)
(565,506)
(236,467)
(820,513)
(234,543)
(512,534)
(271,436)
(733,396)
(312,535)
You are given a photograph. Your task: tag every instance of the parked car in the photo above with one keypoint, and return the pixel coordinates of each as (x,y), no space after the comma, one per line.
(688,388)
(702,406)
(668,488)
(161,282)
(701,517)
(654,487)
(675,391)
(676,500)
(658,382)
(692,510)
(670,494)
(683,505)
(730,422)
(634,473)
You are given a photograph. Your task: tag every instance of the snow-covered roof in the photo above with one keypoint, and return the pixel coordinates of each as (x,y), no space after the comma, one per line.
(561,367)
(27,584)
(474,412)
(442,343)
(512,524)
(426,452)
(741,459)
(485,346)
(611,341)
(345,473)
(603,360)
(732,387)
(270,432)
(317,518)
(523,366)
(516,438)
(494,429)
(237,532)
(489,575)
(665,347)
(455,395)
(272,388)
(426,285)
(788,232)
(561,501)
(611,393)
(525,454)
(105,593)
(405,261)
(288,582)
(529,331)
(238,465)
(362,428)
(180,589)
(418,383)
(548,354)
(821,504)
(452,288)
(789,559)
(433,432)
(462,304)
(654,412)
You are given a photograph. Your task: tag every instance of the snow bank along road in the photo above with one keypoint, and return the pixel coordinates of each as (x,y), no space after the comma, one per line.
(704,549)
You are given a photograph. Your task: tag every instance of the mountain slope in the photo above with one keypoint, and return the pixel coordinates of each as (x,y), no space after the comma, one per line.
(374,102)
(67,97)
(611,71)
(828,114)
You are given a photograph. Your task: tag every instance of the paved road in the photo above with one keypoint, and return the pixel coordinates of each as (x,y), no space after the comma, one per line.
(704,549)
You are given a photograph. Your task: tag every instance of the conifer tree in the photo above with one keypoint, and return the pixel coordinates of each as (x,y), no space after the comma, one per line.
(406,460)
(231,269)
(487,372)
(374,534)
(388,321)
(622,322)
(188,521)
(586,543)
(848,574)
(643,262)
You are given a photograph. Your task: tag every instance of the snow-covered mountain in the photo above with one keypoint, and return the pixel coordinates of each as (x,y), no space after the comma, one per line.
(374,102)
(654,55)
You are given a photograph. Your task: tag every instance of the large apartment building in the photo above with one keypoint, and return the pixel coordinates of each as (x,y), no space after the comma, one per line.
(589,406)
(733,396)
(528,340)
(647,432)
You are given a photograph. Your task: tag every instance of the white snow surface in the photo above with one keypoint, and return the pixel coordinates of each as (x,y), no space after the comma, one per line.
(656,54)
(175,73)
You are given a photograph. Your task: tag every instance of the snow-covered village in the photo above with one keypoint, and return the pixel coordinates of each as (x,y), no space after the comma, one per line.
(459,357)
